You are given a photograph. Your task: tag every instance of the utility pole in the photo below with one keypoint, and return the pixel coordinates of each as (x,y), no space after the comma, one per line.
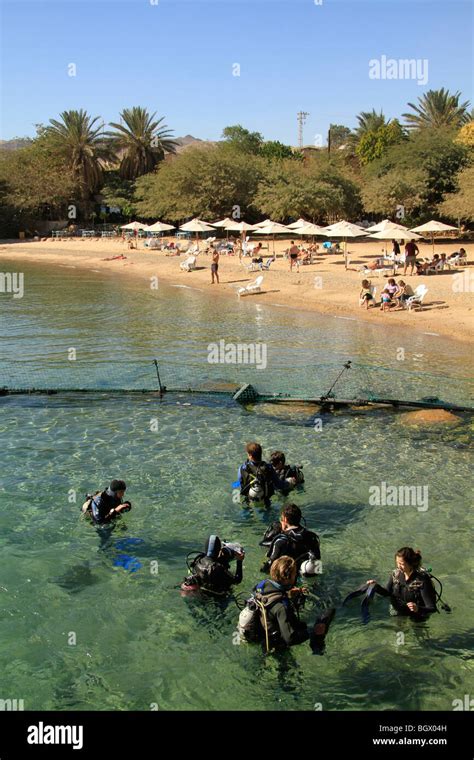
(301,116)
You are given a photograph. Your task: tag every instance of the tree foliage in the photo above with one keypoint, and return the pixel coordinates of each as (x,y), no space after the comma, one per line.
(140,142)
(438,108)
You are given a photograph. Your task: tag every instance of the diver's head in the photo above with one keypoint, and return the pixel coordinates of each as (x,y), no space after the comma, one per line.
(290,515)
(407,559)
(254,451)
(284,571)
(118,488)
(278,460)
(213,546)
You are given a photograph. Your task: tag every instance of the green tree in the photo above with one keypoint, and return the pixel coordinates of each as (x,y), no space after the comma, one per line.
(35,183)
(140,142)
(459,206)
(368,121)
(275,150)
(339,135)
(205,181)
(242,139)
(118,192)
(374,143)
(438,108)
(79,140)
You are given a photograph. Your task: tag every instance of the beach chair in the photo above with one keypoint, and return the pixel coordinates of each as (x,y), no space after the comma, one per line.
(189,265)
(268,263)
(456,261)
(416,300)
(437,268)
(253,287)
(373,290)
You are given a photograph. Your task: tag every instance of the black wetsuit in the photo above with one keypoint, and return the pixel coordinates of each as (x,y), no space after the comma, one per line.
(101,506)
(214,574)
(417,589)
(284,628)
(252,474)
(290,471)
(295,543)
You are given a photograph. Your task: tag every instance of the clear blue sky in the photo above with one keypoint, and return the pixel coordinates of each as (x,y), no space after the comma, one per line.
(176,58)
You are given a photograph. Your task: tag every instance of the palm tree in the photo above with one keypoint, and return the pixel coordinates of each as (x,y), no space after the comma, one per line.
(141,142)
(78,137)
(438,108)
(369,121)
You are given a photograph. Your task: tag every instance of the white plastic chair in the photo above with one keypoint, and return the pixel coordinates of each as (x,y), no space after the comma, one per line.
(189,264)
(253,287)
(417,298)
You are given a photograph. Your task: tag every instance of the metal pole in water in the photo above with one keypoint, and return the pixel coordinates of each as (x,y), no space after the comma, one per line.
(162,388)
(347,365)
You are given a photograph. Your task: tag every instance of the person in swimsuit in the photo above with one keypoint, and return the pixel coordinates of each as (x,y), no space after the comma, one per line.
(294,253)
(215,267)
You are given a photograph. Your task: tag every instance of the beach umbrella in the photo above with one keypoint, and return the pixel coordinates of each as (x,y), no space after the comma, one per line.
(264,223)
(433,227)
(293,225)
(234,226)
(196,225)
(158,227)
(309,229)
(394,234)
(133,226)
(386,226)
(223,222)
(273,228)
(344,230)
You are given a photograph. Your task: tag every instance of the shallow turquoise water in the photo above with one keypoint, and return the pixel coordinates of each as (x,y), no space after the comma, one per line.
(138,642)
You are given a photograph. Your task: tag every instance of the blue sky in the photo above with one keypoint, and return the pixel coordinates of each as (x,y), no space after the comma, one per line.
(177,58)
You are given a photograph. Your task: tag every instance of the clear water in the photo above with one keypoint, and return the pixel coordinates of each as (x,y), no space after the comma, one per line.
(138,642)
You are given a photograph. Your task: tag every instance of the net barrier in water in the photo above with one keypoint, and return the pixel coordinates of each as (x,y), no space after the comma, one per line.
(352,385)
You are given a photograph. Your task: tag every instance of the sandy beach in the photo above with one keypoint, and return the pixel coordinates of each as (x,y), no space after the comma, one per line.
(324,286)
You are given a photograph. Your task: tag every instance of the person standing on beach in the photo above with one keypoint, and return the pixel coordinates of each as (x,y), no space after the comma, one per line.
(411,249)
(215,266)
(294,253)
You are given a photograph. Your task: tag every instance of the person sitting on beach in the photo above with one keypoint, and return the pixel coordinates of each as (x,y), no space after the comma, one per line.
(258,480)
(366,296)
(403,293)
(385,300)
(461,253)
(105,506)
(391,286)
(424,268)
(286,471)
(411,250)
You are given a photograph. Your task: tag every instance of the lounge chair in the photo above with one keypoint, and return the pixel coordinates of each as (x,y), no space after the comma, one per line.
(416,300)
(456,261)
(436,268)
(268,263)
(253,287)
(189,264)
(373,290)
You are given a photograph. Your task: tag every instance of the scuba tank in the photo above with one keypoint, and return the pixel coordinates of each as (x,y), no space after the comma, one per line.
(310,566)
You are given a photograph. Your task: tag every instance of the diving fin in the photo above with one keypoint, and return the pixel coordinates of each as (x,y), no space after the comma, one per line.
(358,592)
(320,629)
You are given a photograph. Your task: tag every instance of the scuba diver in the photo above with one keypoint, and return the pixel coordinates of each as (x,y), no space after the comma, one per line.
(288,537)
(258,480)
(271,614)
(410,588)
(286,471)
(105,506)
(210,570)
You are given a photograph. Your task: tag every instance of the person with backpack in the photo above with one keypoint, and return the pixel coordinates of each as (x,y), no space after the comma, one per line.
(258,480)
(210,570)
(410,587)
(271,614)
(288,537)
(286,471)
(105,506)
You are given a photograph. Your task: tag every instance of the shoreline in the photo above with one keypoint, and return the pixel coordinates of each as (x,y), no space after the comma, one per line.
(324,287)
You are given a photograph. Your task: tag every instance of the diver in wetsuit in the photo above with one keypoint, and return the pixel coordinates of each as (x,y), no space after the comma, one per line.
(106,506)
(286,471)
(259,480)
(410,587)
(210,571)
(290,538)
